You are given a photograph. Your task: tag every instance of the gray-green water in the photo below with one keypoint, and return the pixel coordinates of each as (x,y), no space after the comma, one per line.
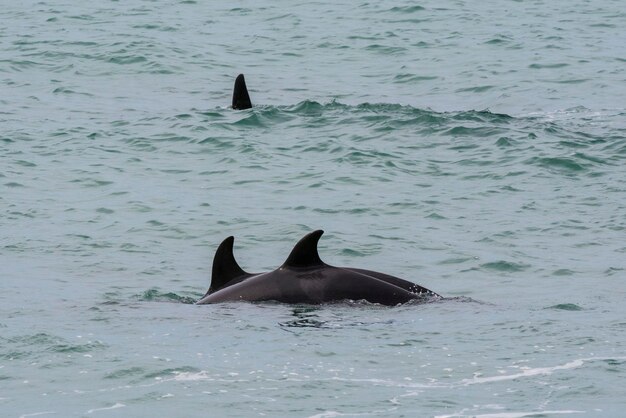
(476,148)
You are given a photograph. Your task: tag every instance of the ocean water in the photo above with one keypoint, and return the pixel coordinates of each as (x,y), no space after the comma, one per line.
(475,148)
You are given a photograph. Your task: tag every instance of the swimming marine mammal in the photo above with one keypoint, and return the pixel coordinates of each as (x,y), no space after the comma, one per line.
(305,278)
(241,98)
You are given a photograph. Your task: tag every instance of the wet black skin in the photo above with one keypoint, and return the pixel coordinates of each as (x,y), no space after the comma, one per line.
(241,98)
(305,278)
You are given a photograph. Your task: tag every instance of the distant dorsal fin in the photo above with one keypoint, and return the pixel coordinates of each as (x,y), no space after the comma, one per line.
(241,98)
(225,267)
(304,254)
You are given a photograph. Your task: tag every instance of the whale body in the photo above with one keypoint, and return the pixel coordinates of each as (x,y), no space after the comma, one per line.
(305,278)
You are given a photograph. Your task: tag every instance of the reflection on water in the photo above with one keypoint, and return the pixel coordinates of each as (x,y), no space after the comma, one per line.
(306,317)
(332,316)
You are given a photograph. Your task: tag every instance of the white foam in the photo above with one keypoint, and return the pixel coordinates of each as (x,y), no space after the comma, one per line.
(538,371)
(34,414)
(327,414)
(190,377)
(510,414)
(524,373)
(117,405)
(332,414)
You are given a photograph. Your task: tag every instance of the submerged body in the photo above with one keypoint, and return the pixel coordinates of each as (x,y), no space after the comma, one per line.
(305,278)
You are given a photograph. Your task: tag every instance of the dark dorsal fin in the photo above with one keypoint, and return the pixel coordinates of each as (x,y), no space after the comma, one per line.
(304,254)
(241,98)
(225,267)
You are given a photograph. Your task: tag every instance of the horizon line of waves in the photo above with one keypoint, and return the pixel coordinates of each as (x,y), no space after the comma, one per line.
(403,114)
(308,105)
(388,115)
(393,122)
(559,164)
(379,116)
(141,63)
(384,118)
(25,346)
(408,78)
(407,9)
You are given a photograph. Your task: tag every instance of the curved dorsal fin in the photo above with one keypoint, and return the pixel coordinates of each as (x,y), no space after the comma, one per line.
(304,254)
(225,267)
(241,98)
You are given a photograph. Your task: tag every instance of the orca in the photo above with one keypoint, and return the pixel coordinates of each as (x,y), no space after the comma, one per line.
(305,279)
(241,98)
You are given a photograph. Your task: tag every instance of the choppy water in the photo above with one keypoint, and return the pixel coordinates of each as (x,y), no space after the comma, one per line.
(477,149)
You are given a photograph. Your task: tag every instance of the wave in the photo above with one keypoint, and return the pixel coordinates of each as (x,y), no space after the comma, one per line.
(155,295)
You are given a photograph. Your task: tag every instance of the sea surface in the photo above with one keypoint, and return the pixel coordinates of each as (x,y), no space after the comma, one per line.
(475,148)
